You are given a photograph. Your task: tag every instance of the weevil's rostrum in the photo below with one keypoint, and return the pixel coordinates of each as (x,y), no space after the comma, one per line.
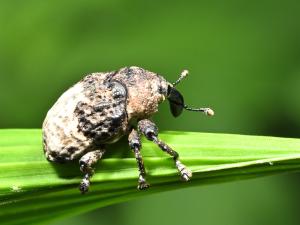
(103,107)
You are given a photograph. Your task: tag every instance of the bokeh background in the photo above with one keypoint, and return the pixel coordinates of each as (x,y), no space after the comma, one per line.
(244,61)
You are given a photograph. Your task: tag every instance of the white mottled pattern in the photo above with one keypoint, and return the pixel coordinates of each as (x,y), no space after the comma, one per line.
(60,125)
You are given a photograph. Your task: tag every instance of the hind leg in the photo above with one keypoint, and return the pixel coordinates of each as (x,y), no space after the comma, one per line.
(86,162)
(150,130)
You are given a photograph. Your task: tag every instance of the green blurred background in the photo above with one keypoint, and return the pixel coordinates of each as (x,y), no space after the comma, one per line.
(244,62)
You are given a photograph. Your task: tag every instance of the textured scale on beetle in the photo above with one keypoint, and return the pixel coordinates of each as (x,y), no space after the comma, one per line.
(103,107)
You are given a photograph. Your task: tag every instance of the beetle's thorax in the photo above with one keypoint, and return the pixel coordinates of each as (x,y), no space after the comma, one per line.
(145,90)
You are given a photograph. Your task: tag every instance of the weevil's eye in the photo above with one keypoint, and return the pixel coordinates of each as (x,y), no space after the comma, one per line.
(176,101)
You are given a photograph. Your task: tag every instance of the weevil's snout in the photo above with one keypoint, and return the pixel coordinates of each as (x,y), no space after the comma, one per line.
(176,99)
(177,104)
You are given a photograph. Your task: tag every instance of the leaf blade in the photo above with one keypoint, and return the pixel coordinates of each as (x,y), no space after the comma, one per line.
(33,190)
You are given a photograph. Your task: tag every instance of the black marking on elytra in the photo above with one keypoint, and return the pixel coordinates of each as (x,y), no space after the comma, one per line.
(72,149)
(103,118)
(101,106)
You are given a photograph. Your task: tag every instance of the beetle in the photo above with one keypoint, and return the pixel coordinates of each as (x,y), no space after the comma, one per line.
(103,107)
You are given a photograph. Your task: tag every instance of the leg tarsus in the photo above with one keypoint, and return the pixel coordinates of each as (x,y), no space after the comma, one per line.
(185,173)
(143,184)
(149,129)
(84,184)
(86,162)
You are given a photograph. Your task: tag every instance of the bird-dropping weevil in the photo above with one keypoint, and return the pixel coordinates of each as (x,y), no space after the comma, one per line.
(101,108)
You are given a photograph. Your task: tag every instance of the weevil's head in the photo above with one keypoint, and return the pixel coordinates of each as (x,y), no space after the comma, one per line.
(146,90)
(176,100)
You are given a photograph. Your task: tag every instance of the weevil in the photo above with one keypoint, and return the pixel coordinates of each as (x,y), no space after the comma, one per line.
(103,107)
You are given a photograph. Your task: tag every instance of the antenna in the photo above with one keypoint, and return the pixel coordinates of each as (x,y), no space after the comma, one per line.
(183,75)
(206,111)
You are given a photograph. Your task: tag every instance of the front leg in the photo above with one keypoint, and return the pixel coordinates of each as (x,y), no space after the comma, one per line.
(150,130)
(135,145)
(86,162)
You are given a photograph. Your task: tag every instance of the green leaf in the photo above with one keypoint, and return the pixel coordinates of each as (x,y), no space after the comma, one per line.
(33,190)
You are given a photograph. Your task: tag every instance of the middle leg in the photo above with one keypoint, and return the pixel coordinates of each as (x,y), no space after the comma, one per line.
(150,130)
(135,145)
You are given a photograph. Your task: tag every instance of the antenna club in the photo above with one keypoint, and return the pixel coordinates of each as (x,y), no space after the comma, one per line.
(209,112)
(184,73)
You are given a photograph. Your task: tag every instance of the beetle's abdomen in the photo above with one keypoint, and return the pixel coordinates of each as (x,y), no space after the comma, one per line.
(88,115)
(61,138)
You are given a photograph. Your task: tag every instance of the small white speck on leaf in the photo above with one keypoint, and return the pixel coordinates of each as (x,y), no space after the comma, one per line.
(16,188)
